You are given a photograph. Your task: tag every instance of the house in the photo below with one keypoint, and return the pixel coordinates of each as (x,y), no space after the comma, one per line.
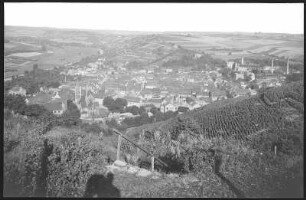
(218,95)
(146,94)
(168,70)
(252,92)
(18,91)
(238,92)
(156,93)
(204,100)
(119,117)
(151,86)
(168,107)
(182,109)
(197,55)
(156,102)
(239,76)
(133,101)
(56,107)
(164,93)
(66,94)
(40,98)
(99,97)
(242,69)
(251,75)
(194,105)
(243,85)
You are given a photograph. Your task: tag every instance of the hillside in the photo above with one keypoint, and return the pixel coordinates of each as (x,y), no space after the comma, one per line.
(233,159)
(264,133)
(238,117)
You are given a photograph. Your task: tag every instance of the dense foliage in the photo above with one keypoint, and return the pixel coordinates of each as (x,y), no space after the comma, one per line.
(33,80)
(117,105)
(72,115)
(17,104)
(55,163)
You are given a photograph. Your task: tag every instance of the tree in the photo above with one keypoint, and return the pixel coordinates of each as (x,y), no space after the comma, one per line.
(15,102)
(117,105)
(229,95)
(253,86)
(32,88)
(120,103)
(132,109)
(142,110)
(182,109)
(154,110)
(294,77)
(255,71)
(43,48)
(72,115)
(108,101)
(225,72)
(189,100)
(247,78)
(34,110)
(54,85)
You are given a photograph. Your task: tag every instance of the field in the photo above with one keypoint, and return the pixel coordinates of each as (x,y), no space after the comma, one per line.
(54,57)
(263,45)
(24,55)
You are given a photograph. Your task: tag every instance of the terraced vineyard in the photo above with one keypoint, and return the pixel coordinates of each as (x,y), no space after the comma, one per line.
(237,137)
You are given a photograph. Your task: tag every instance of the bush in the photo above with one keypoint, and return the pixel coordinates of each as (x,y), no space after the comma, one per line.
(72,115)
(59,166)
(73,161)
(91,128)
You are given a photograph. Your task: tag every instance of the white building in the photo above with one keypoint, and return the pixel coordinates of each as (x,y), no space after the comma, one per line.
(230,64)
(18,91)
(168,107)
(239,76)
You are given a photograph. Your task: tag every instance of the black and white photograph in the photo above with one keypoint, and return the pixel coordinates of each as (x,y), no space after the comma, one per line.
(153,100)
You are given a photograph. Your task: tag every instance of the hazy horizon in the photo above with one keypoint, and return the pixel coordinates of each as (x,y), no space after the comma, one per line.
(84,29)
(160,17)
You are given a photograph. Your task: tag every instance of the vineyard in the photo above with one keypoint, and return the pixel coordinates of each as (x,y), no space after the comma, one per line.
(234,118)
(253,131)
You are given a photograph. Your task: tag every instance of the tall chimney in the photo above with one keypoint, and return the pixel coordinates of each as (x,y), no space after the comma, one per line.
(242,61)
(272,66)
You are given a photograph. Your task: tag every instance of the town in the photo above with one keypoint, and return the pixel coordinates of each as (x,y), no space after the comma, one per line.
(169,89)
(153,100)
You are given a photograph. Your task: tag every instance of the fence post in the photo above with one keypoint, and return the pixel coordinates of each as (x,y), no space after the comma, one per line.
(275,151)
(152,163)
(118,146)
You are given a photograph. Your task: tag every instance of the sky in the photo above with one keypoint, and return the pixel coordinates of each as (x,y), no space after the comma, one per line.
(193,17)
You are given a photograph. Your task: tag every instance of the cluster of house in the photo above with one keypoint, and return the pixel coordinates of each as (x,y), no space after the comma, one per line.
(52,99)
(269,79)
(241,70)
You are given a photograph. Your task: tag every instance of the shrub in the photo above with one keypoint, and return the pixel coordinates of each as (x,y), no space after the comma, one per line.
(71,164)
(91,128)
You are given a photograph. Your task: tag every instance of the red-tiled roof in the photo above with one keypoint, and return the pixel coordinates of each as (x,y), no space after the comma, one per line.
(132,99)
(154,101)
(40,98)
(53,106)
(16,89)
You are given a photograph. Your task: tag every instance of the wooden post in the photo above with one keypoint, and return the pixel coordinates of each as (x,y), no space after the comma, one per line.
(275,151)
(118,146)
(152,163)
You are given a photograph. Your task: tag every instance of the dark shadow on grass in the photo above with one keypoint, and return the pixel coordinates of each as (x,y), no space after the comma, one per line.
(100,186)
